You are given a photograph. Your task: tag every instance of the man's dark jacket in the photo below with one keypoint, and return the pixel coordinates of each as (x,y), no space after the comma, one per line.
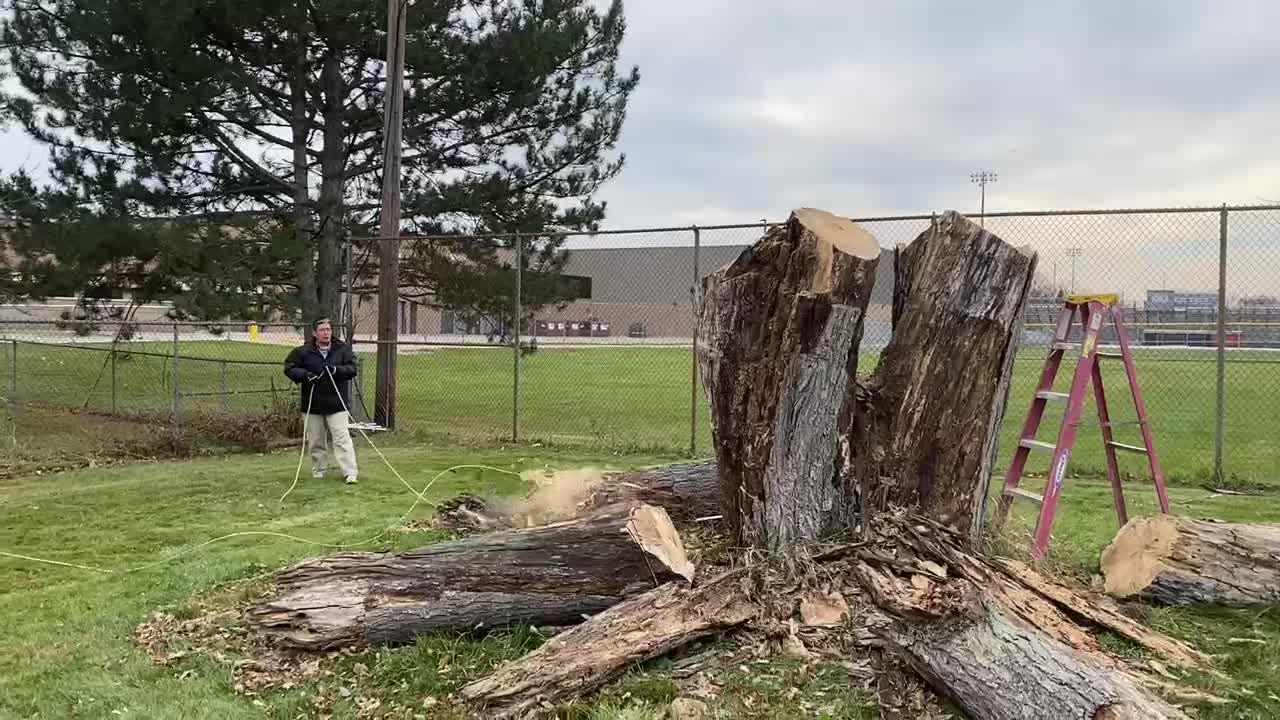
(306,361)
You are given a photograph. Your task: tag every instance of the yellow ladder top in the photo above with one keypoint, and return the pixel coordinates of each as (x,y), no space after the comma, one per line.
(1104,298)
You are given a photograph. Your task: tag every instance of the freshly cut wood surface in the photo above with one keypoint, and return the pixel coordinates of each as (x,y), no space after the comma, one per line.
(1175,560)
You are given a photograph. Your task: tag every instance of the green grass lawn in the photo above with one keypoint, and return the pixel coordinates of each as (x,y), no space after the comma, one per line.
(638,399)
(67,651)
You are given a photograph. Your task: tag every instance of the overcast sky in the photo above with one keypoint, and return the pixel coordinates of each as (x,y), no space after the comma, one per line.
(746,110)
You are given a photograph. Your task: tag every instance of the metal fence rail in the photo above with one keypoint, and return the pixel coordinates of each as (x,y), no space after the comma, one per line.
(615,368)
(144,367)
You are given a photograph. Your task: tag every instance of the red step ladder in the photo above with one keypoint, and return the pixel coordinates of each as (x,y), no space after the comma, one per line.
(1092,311)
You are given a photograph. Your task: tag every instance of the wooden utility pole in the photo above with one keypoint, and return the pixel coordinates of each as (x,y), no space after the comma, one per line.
(388,245)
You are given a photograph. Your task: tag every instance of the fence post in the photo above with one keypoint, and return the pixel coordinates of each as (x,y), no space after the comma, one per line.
(1219,438)
(177,396)
(348,263)
(113,378)
(695,298)
(13,373)
(225,403)
(515,345)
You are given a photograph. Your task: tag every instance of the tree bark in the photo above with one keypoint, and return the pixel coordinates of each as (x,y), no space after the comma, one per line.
(687,491)
(924,435)
(1003,642)
(998,668)
(301,188)
(332,188)
(778,335)
(585,657)
(804,449)
(901,693)
(555,575)
(1174,560)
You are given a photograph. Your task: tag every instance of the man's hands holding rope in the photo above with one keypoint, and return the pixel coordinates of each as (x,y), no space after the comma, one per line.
(328,370)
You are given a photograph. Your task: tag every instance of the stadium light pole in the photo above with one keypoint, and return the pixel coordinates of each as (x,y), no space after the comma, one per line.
(1073,253)
(983,178)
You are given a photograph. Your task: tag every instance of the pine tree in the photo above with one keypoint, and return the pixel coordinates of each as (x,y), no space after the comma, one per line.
(219,152)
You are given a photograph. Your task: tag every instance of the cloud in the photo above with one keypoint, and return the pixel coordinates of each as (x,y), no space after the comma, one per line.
(870,108)
(747,110)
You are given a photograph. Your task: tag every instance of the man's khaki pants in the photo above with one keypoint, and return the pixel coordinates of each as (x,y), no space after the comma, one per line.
(320,428)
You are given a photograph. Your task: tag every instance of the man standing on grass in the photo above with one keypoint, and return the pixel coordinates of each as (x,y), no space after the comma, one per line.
(324,368)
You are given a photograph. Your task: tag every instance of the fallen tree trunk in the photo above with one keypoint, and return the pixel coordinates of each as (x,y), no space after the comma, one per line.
(998,668)
(1175,560)
(554,574)
(585,657)
(687,491)
(1003,642)
(978,631)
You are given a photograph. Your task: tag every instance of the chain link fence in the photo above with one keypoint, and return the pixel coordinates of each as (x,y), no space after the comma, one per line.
(603,355)
(74,391)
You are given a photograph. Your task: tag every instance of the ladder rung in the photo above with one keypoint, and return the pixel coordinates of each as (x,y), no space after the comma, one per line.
(1128,448)
(1065,345)
(1025,495)
(1038,445)
(1047,395)
(1121,423)
(1110,355)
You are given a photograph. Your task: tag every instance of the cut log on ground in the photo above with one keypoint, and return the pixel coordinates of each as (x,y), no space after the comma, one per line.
(1002,646)
(1174,560)
(804,449)
(553,575)
(998,668)
(585,657)
(777,343)
(687,491)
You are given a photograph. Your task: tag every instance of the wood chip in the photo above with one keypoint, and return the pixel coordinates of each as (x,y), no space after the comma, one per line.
(823,609)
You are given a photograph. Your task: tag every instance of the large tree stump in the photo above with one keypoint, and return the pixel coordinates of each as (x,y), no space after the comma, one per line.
(554,574)
(1175,560)
(585,657)
(804,449)
(777,343)
(925,432)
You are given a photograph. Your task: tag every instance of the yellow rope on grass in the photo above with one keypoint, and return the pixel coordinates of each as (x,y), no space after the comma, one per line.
(264,533)
(419,497)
